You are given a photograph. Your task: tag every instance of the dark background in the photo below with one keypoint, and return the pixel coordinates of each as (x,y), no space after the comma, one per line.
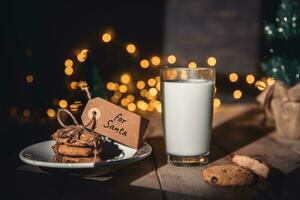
(38,36)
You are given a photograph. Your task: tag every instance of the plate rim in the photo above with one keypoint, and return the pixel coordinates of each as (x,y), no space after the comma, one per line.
(82,165)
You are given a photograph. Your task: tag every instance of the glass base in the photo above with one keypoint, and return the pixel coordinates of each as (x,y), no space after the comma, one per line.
(187,161)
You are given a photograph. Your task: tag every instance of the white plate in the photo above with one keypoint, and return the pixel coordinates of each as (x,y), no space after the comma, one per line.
(115,155)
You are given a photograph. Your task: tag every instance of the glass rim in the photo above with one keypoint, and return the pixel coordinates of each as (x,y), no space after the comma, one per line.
(187,68)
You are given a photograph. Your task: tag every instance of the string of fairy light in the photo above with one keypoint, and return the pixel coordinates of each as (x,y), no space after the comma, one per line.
(144,94)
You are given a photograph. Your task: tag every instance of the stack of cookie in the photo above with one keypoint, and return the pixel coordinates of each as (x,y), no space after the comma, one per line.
(76,145)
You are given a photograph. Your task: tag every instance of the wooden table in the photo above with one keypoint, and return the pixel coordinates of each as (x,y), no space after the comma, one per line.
(236,129)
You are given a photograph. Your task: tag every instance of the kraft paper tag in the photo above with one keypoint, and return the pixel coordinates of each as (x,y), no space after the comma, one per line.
(115,122)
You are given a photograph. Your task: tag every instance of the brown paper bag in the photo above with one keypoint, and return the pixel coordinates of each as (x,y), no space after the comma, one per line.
(283,105)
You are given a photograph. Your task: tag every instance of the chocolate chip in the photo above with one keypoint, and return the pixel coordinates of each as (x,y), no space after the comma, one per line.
(214,180)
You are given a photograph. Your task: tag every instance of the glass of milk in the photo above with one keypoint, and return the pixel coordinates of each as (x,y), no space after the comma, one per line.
(187,99)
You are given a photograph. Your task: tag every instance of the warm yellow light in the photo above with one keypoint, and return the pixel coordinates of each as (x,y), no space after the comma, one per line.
(155,60)
(118,94)
(106,37)
(158,86)
(124,102)
(130,98)
(171,59)
(217,102)
(81,57)
(151,82)
(233,77)
(237,94)
(114,99)
(144,63)
(157,78)
(260,85)
(74,85)
(143,92)
(154,103)
(123,88)
(74,107)
(158,108)
(192,65)
(29,78)
(115,87)
(183,75)
(69,71)
(84,51)
(125,78)
(150,108)
(211,61)
(26,113)
(110,86)
(51,113)
(63,103)
(153,91)
(69,63)
(131,107)
(82,84)
(140,85)
(142,105)
(250,79)
(270,81)
(130,48)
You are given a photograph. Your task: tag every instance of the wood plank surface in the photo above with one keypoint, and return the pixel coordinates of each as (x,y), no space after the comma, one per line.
(135,181)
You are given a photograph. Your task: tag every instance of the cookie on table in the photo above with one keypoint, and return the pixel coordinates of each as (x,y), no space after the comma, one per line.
(228,175)
(258,167)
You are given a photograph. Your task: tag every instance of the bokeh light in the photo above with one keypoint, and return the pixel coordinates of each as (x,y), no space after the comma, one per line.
(153,91)
(51,113)
(131,107)
(270,81)
(63,103)
(130,98)
(237,94)
(151,82)
(233,77)
(81,57)
(144,63)
(142,105)
(125,78)
(217,102)
(114,99)
(211,61)
(69,63)
(260,85)
(143,92)
(106,37)
(74,85)
(140,85)
(124,102)
(250,79)
(29,78)
(69,71)
(158,86)
(130,48)
(155,60)
(123,88)
(192,65)
(171,59)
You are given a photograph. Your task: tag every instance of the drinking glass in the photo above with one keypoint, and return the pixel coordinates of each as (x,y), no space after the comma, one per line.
(187,108)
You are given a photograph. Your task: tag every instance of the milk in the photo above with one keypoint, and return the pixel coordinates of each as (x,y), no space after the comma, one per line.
(187,110)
